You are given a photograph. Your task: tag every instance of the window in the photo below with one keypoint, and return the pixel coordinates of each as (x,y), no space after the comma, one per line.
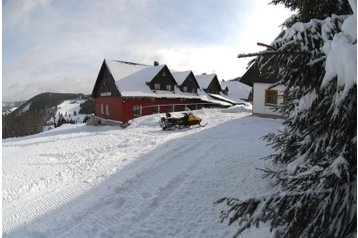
(102,109)
(157,86)
(193,90)
(105,94)
(185,89)
(105,89)
(171,108)
(156,109)
(107,109)
(271,97)
(137,111)
(169,87)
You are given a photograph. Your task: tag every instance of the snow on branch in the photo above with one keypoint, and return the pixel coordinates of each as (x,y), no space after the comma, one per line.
(341,61)
(286,207)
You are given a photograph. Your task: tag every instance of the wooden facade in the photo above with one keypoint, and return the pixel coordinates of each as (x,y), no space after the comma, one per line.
(190,84)
(253,75)
(164,79)
(105,83)
(209,83)
(214,86)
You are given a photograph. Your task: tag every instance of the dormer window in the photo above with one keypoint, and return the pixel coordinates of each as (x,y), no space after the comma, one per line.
(169,87)
(157,86)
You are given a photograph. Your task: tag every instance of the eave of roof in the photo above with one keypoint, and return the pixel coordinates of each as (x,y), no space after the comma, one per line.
(253,75)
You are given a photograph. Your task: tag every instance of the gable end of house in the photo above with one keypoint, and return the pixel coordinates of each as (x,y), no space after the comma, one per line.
(105,84)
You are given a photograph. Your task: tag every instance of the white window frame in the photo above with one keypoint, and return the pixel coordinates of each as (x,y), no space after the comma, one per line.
(157,86)
(169,87)
(107,109)
(156,109)
(105,94)
(185,89)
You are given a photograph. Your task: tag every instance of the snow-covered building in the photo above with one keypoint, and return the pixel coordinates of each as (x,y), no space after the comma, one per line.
(267,94)
(125,90)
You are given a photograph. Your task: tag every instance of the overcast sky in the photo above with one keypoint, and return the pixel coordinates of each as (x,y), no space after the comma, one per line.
(59,45)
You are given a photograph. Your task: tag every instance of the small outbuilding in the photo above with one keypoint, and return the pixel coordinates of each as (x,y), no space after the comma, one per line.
(267,94)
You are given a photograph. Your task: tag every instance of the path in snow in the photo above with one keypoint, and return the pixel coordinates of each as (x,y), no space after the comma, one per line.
(138,182)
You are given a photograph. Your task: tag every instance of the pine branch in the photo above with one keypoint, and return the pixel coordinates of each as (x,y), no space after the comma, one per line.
(266,45)
(261,53)
(294,208)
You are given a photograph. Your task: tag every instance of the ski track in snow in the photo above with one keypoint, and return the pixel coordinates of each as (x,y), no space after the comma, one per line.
(83,181)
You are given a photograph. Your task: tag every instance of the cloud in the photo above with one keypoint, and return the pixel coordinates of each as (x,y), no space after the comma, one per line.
(18,12)
(217,59)
(60,45)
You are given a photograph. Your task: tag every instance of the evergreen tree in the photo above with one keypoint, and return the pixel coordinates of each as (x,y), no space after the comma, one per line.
(316,160)
(315,9)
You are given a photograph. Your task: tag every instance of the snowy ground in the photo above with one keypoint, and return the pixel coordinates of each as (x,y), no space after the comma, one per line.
(85,181)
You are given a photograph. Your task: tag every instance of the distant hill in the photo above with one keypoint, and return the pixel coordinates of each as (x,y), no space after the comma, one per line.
(8,107)
(41,111)
(44,101)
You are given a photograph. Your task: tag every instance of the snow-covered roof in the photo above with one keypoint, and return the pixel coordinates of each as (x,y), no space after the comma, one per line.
(237,90)
(221,97)
(131,81)
(204,80)
(205,97)
(180,76)
(135,84)
(121,69)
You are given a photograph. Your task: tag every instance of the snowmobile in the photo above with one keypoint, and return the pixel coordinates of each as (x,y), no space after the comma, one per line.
(189,119)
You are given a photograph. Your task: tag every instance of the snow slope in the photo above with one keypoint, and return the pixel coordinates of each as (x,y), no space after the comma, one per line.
(85,181)
(69,110)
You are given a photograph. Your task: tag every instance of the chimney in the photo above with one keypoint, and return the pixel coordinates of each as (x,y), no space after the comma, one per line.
(156,63)
(203,74)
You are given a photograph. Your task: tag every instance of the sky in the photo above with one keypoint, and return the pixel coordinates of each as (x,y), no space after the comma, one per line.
(59,45)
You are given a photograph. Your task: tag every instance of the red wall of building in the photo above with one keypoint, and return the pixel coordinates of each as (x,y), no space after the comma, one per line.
(121,109)
(148,103)
(115,107)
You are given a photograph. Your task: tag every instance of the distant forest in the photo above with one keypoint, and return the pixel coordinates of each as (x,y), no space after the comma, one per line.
(31,116)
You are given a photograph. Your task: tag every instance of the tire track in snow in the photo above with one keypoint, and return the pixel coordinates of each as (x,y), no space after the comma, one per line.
(156,184)
(16,216)
(27,209)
